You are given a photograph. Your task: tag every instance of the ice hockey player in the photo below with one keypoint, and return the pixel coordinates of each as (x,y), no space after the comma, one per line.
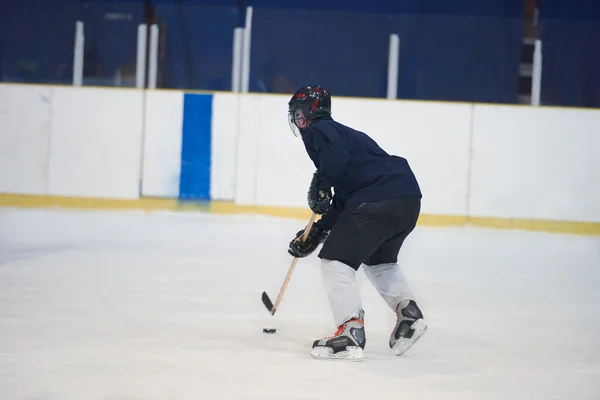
(375,205)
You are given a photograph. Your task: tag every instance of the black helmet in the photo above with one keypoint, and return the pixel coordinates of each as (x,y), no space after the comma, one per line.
(307,104)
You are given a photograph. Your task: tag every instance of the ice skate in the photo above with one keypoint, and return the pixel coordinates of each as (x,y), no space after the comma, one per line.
(346,344)
(410,326)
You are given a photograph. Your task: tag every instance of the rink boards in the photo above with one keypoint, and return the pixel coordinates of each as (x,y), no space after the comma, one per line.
(480,164)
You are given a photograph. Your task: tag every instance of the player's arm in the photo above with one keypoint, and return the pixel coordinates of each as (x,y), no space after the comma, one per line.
(334,159)
(334,154)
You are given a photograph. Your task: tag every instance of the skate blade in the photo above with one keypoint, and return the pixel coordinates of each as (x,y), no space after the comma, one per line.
(325,353)
(403,344)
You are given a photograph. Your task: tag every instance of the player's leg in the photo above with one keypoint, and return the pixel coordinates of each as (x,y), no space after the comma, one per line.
(386,276)
(353,238)
(383,271)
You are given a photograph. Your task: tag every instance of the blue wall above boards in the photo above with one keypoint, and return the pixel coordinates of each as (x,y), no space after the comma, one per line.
(472,8)
(570,33)
(443,55)
(38,38)
(197,46)
(466,50)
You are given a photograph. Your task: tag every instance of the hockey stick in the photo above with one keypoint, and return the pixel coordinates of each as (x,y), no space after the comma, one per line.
(265,298)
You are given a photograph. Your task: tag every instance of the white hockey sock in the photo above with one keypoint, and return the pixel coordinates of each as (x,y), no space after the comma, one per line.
(339,281)
(390,283)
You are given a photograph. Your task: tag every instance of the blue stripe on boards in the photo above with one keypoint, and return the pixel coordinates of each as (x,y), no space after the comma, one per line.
(194,181)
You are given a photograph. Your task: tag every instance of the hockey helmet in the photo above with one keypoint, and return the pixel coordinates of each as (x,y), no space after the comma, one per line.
(307,104)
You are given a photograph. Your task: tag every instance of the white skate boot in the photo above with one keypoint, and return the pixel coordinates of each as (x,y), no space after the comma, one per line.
(410,326)
(346,344)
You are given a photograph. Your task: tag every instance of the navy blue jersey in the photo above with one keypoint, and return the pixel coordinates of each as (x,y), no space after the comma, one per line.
(356,167)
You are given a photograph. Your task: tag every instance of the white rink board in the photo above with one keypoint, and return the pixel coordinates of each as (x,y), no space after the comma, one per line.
(223,146)
(284,170)
(247,149)
(274,169)
(25,130)
(536,163)
(162,143)
(96,142)
(477,160)
(433,137)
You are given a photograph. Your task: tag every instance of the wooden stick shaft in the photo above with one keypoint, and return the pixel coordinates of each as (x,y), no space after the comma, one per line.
(294,261)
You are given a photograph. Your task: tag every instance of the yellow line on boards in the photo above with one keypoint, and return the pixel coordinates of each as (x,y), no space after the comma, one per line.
(146,204)
(568,227)
(227,207)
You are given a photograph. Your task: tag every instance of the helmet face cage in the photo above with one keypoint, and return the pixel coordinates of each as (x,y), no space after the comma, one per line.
(297,120)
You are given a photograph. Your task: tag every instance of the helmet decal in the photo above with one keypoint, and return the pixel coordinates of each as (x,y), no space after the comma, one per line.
(315,104)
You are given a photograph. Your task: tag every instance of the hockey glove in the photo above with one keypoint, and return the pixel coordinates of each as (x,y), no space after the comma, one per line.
(316,236)
(319,198)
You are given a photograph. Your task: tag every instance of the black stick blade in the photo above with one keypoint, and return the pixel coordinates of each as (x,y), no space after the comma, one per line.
(267,302)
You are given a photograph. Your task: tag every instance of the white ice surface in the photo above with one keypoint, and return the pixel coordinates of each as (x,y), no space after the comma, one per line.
(134,306)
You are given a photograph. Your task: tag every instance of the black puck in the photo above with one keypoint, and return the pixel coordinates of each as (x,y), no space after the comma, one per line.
(269,330)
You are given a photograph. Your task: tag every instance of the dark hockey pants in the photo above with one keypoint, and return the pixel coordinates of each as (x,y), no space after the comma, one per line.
(372,233)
